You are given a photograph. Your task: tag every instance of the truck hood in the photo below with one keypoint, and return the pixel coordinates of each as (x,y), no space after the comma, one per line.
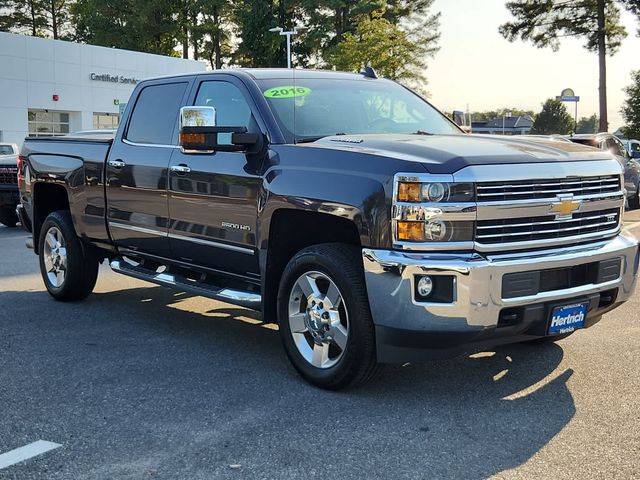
(446,154)
(8,160)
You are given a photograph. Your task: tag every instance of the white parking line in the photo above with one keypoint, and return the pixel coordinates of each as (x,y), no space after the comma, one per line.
(25,453)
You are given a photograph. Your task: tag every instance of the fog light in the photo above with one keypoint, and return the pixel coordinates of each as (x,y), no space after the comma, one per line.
(425,286)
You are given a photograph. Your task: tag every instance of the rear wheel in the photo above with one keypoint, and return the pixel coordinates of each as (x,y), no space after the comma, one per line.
(324,317)
(8,217)
(69,269)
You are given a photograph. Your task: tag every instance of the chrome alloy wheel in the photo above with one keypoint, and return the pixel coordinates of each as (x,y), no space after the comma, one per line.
(318,319)
(55,257)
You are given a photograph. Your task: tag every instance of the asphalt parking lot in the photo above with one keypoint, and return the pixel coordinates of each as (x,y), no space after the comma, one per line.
(143,382)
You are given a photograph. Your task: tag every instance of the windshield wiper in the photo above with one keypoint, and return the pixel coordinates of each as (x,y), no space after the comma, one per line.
(421,132)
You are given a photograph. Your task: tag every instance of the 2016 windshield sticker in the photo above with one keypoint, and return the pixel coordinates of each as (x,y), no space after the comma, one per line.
(287,92)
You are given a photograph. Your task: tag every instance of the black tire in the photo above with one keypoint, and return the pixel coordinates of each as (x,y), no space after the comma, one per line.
(82,262)
(634,202)
(342,264)
(549,339)
(8,217)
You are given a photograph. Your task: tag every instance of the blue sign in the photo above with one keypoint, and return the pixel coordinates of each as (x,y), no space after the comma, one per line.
(567,319)
(568,95)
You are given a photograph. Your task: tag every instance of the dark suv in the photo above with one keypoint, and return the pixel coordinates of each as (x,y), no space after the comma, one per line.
(610,143)
(8,184)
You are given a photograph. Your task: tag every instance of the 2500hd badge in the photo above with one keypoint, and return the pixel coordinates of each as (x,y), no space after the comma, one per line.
(344,207)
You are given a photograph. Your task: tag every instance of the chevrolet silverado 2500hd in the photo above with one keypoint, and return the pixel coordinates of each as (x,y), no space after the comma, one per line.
(344,207)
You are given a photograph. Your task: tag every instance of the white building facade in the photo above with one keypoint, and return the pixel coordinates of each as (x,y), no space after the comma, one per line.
(51,87)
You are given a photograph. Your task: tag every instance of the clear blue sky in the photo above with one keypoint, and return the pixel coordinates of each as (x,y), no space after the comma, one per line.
(477,66)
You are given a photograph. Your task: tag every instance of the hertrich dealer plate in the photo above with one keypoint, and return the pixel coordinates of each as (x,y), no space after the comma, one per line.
(567,318)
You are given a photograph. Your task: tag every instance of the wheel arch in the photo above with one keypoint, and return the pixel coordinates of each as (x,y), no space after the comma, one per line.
(47,198)
(290,231)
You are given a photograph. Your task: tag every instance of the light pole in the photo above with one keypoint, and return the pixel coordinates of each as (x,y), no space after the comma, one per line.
(507,115)
(288,34)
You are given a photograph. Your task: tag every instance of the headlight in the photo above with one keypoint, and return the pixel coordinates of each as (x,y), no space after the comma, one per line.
(435,231)
(415,192)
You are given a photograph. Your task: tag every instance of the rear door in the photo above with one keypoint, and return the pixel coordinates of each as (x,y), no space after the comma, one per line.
(137,169)
(213,197)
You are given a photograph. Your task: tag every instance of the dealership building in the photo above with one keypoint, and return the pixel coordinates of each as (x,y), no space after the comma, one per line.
(50,87)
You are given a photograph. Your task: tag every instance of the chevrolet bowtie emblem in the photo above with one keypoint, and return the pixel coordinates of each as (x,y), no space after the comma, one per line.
(565,207)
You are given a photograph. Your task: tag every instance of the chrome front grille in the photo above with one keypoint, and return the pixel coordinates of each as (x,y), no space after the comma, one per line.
(534,189)
(513,212)
(527,214)
(530,229)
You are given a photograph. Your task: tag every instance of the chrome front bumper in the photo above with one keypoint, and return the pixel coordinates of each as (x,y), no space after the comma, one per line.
(405,327)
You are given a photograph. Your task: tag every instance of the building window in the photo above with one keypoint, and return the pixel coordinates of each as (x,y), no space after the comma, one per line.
(48,123)
(105,121)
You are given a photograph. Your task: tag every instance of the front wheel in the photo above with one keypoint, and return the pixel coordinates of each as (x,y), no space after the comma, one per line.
(324,317)
(69,269)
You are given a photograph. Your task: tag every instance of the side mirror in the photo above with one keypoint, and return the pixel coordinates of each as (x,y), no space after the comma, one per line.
(199,133)
(459,119)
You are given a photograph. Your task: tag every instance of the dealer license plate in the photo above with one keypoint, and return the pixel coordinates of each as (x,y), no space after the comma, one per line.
(567,318)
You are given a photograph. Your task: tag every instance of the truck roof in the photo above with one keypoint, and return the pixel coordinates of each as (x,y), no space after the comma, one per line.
(275,73)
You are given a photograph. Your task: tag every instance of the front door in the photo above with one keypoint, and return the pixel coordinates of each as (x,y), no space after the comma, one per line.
(137,170)
(213,197)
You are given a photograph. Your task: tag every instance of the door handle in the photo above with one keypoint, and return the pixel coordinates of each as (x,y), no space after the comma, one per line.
(116,163)
(182,168)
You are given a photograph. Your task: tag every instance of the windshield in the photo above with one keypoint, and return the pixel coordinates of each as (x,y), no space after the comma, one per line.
(315,108)
(6,150)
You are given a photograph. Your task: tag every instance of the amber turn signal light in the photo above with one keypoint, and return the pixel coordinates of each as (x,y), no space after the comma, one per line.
(409,192)
(411,231)
(192,138)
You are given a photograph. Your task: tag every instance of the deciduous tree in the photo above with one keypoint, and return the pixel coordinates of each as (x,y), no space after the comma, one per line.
(388,48)
(140,25)
(553,119)
(588,124)
(631,108)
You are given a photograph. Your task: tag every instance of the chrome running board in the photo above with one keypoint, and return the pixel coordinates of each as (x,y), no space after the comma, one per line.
(236,297)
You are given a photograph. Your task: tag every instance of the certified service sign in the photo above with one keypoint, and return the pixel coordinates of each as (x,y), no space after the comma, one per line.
(106,77)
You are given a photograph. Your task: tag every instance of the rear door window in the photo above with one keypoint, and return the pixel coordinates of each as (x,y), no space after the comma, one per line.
(155,114)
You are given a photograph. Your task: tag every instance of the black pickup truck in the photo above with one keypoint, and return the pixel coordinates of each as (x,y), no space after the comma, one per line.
(343,206)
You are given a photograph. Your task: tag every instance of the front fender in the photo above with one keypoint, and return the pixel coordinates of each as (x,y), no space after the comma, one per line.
(354,196)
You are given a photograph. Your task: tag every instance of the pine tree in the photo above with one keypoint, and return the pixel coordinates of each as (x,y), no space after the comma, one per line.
(23,16)
(544,22)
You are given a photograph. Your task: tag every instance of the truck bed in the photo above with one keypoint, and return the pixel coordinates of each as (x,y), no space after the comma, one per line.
(76,164)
